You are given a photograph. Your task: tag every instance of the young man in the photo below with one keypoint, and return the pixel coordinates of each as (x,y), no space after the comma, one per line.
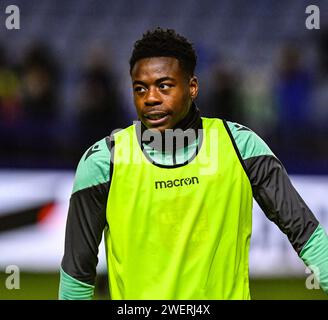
(177,216)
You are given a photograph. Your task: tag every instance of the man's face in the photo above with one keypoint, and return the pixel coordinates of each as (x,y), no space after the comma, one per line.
(162,92)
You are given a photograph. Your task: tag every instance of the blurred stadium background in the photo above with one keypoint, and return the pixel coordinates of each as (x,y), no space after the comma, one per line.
(64,83)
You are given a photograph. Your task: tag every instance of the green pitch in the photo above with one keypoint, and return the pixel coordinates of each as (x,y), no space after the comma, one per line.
(44,286)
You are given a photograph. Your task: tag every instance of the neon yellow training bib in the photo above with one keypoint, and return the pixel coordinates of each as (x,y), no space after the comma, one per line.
(182,232)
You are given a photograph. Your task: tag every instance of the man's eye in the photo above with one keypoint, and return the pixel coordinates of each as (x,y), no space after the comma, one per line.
(165,86)
(139,89)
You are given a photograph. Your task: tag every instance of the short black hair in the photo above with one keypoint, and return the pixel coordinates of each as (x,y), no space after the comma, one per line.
(165,43)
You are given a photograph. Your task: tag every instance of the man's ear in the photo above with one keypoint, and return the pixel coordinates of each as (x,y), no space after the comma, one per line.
(193,87)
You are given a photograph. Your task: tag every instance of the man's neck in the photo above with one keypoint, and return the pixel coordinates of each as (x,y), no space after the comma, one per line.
(191,120)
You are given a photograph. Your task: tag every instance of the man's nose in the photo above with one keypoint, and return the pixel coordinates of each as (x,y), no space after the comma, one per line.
(152,98)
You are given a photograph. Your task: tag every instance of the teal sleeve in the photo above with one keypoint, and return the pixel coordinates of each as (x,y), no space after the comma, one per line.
(72,289)
(249,144)
(315,256)
(94,166)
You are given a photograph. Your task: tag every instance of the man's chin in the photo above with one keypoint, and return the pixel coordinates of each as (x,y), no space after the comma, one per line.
(158,129)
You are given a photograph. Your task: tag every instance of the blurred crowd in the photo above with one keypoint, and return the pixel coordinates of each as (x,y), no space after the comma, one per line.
(285,103)
(34,129)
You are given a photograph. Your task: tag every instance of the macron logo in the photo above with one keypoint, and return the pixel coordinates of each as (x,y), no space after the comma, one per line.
(91,151)
(176,183)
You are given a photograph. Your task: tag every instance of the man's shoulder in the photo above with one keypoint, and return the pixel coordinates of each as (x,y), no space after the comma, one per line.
(94,165)
(97,151)
(234,128)
(239,129)
(247,141)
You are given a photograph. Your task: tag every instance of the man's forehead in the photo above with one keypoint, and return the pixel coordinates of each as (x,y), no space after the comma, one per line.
(161,66)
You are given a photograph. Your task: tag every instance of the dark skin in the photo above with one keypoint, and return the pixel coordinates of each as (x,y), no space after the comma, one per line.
(163,92)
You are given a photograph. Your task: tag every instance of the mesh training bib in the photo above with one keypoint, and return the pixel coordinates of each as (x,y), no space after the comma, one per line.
(179,232)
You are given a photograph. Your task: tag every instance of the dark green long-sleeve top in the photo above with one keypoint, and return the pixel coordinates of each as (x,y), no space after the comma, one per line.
(271,187)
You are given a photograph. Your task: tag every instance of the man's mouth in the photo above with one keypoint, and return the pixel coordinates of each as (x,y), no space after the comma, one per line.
(156,118)
(155,115)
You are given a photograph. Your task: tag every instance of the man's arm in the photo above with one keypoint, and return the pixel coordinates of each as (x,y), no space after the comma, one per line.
(275,194)
(86,221)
